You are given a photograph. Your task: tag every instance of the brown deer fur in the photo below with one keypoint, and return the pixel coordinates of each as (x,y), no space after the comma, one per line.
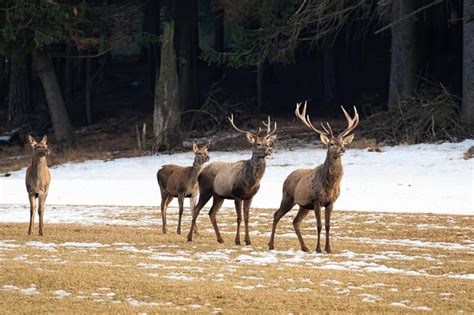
(239,181)
(316,188)
(181,182)
(37,181)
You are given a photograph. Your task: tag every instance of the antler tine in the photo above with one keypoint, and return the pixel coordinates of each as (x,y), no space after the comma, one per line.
(268,124)
(328,129)
(305,118)
(272,132)
(231,120)
(352,122)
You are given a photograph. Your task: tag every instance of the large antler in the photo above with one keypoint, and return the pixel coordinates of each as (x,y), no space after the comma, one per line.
(231,120)
(268,124)
(352,122)
(307,122)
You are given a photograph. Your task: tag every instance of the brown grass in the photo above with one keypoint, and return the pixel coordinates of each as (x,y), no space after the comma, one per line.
(137,271)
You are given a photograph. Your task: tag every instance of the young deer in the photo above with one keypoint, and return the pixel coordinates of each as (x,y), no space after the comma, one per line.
(319,187)
(37,181)
(181,182)
(239,181)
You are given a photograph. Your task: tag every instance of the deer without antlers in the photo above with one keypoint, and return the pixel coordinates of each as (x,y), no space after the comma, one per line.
(37,181)
(319,187)
(181,182)
(239,181)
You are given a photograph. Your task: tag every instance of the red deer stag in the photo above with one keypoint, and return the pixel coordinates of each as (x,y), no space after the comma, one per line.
(319,187)
(37,181)
(239,181)
(181,182)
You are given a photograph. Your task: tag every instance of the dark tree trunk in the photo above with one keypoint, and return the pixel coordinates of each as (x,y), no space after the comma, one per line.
(166,116)
(57,111)
(218,27)
(186,51)
(218,37)
(152,52)
(403,60)
(19,95)
(89,86)
(468,62)
(329,72)
(4,76)
(260,86)
(68,79)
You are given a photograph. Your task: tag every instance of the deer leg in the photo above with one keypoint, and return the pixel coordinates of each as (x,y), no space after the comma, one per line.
(32,213)
(41,201)
(181,209)
(302,213)
(285,206)
(164,208)
(203,199)
(327,223)
(317,212)
(217,203)
(238,209)
(192,205)
(164,205)
(246,220)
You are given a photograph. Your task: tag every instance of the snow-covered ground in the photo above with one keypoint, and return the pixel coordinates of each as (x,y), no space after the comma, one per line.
(418,178)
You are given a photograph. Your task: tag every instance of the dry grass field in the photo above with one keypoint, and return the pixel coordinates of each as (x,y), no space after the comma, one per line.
(382,262)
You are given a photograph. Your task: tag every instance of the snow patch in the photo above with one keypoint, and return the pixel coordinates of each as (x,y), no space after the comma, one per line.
(61,293)
(415,172)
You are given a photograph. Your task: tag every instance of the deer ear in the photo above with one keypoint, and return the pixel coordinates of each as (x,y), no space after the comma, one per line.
(348,139)
(195,147)
(206,147)
(250,138)
(272,139)
(44,140)
(324,139)
(31,140)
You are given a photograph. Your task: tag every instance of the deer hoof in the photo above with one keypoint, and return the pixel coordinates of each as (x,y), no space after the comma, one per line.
(178,232)
(190,237)
(29,232)
(248,243)
(271,247)
(305,249)
(237,242)
(220,240)
(40,233)
(328,250)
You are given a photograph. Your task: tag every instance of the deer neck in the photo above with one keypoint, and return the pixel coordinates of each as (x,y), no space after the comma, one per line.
(38,166)
(196,170)
(332,172)
(254,170)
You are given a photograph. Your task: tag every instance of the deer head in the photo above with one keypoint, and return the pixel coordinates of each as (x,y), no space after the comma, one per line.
(40,149)
(200,154)
(262,144)
(336,144)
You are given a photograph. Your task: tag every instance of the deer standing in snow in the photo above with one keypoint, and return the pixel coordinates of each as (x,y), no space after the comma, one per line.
(239,181)
(181,182)
(37,181)
(319,187)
